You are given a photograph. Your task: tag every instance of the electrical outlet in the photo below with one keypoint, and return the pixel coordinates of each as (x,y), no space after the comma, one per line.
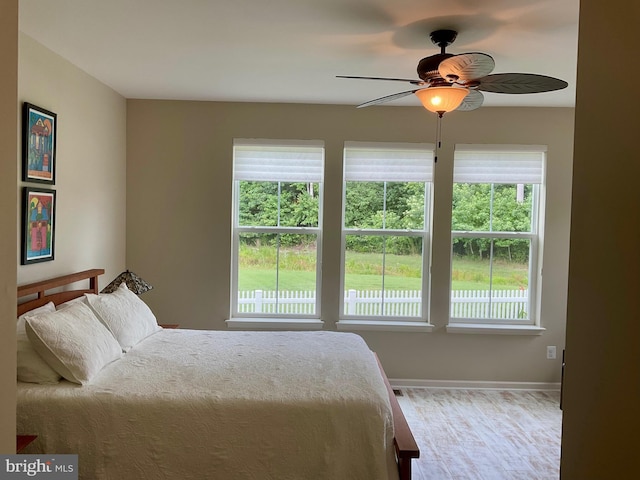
(551,352)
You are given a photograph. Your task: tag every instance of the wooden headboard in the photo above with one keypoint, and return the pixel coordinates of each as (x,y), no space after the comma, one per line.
(40,288)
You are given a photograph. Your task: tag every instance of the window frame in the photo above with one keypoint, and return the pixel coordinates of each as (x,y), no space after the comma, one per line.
(351,321)
(535,237)
(286,320)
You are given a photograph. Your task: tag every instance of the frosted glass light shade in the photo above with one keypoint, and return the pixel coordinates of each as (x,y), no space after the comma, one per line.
(442,99)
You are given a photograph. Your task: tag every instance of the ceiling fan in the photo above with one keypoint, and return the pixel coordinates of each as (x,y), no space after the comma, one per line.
(455,82)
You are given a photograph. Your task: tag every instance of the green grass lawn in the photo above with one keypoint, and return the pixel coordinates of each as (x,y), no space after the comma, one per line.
(403,272)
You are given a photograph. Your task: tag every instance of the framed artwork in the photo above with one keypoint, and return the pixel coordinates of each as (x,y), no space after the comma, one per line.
(39,128)
(38,226)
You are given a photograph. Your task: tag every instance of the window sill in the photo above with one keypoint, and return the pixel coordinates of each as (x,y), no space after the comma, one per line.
(383,326)
(276,323)
(495,329)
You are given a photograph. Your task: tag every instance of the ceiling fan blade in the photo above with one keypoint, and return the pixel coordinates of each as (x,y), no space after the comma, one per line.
(466,66)
(388,98)
(520,83)
(473,100)
(411,81)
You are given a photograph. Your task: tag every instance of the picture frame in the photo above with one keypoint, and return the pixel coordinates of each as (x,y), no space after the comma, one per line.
(38,225)
(39,135)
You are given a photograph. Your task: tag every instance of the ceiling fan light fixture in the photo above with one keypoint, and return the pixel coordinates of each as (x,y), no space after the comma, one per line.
(449,78)
(441,100)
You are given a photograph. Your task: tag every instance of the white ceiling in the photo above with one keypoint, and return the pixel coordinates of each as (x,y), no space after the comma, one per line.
(291,50)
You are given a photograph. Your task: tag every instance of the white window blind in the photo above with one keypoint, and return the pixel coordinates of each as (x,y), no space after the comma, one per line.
(391,162)
(278,160)
(513,164)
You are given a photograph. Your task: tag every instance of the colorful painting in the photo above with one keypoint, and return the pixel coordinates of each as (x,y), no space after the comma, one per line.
(38,144)
(38,227)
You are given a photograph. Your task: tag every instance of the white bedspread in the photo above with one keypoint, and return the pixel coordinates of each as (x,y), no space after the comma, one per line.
(187,404)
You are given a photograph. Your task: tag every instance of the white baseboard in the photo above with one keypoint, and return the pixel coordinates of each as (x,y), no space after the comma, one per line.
(472,385)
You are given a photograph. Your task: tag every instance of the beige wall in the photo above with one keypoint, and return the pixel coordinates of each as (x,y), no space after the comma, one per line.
(602,383)
(90,181)
(91,157)
(8,172)
(179,165)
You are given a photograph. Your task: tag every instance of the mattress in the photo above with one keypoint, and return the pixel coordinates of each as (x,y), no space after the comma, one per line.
(192,404)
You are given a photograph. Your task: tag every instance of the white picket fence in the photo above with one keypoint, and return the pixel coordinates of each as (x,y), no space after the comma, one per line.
(502,304)
(266,301)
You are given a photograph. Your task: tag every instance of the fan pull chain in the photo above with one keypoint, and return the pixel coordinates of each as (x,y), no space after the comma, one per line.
(438,137)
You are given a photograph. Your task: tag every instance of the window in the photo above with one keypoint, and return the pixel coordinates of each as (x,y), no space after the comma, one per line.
(277,222)
(385,230)
(495,233)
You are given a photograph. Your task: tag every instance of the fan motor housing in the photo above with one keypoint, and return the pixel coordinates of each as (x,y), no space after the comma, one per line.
(428,66)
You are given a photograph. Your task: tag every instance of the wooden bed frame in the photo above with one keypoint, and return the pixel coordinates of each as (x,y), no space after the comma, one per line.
(405,444)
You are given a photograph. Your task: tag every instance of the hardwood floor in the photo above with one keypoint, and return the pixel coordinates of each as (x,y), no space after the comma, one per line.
(484,434)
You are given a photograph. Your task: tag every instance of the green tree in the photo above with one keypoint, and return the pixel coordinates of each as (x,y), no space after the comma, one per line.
(390,205)
(278,204)
(482,207)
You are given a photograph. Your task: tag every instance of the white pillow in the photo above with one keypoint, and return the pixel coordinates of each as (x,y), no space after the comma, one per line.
(127,317)
(81,299)
(73,342)
(31,366)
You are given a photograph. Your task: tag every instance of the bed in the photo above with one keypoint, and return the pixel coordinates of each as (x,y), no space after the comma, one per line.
(213,404)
